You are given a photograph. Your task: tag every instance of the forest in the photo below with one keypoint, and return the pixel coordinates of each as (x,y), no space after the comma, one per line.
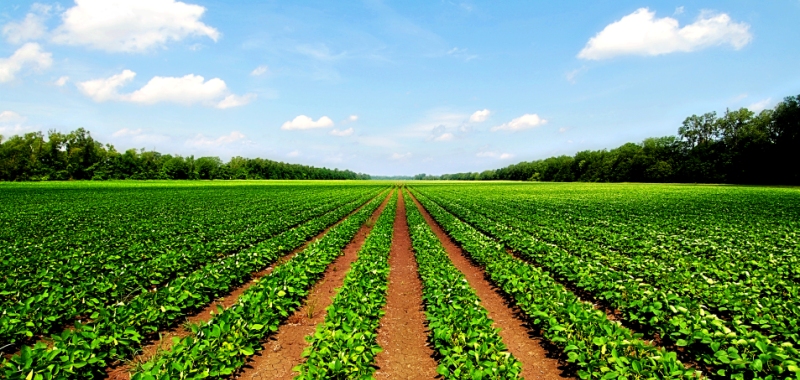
(740,146)
(78,156)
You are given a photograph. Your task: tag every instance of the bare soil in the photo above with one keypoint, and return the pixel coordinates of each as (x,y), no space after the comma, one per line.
(402,333)
(283,350)
(122,371)
(522,342)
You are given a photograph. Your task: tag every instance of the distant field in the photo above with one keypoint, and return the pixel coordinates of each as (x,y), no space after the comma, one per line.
(304,278)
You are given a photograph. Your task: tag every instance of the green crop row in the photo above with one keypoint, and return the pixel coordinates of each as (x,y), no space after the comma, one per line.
(743,287)
(221,346)
(599,347)
(694,243)
(48,309)
(116,333)
(733,351)
(112,238)
(460,329)
(344,346)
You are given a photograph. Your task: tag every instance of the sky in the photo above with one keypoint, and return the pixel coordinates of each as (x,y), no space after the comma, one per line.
(388,87)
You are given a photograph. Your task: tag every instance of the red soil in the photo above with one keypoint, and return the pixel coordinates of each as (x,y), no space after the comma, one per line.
(402,333)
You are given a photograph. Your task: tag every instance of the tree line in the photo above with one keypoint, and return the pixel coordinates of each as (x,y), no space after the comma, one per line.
(78,156)
(740,146)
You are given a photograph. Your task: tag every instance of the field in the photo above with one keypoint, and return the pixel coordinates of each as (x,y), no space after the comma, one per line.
(360,279)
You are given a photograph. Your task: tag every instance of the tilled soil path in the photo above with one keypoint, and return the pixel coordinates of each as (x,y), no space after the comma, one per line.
(402,333)
(283,350)
(122,372)
(513,328)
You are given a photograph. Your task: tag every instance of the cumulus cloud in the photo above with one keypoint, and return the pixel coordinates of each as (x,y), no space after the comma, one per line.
(305,122)
(479,116)
(29,55)
(760,105)
(201,141)
(30,28)
(104,89)
(640,33)
(352,118)
(444,137)
(11,123)
(401,156)
(11,117)
(234,100)
(260,70)
(500,156)
(343,133)
(60,82)
(138,136)
(131,25)
(187,90)
(523,122)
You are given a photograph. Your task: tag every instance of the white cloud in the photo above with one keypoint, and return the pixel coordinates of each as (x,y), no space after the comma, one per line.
(200,140)
(30,54)
(18,129)
(679,10)
(29,29)
(343,133)
(11,117)
(760,105)
(501,156)
(293,153)
(234,100)
(130,25)
(187,90)
(104,89)
(260,70)
(401,156)
(461,54)
(479,116)
(60,82)
(125,132)
(523,122)
(11,123)
(444,137)
(305,122)
(352,118)
(572,76)
(562,129)
(138,136)
(640,33)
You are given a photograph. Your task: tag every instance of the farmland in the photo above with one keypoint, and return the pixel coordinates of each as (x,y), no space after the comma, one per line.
(360,279)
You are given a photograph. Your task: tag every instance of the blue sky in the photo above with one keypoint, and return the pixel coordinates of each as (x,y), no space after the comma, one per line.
(388,88)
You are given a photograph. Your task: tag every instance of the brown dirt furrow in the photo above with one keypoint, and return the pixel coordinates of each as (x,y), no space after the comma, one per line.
(165,341)
(283,350)
(522,342)
(402,333)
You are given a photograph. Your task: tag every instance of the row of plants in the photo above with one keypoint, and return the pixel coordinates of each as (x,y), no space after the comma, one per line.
(107,228)
(45,310)
(223,344)
(755,296)
(730,350)
(693,241)
(116,333)
(461,332)
(600,348)
(727,230)
(345,345)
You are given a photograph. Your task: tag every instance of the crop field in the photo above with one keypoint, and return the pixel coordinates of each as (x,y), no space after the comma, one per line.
(390,280)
